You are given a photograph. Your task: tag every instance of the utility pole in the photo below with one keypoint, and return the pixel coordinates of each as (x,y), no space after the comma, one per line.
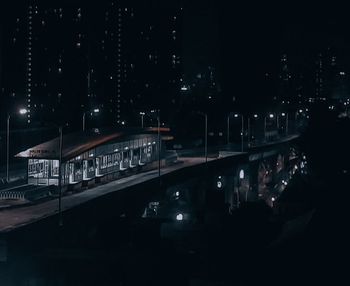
(60,178)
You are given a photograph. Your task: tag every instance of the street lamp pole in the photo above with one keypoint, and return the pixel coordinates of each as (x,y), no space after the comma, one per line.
(84,113)
(22,112)
(159,144)
(265,127)
(205,135)
(142,115)
(228,129)
(206,138)
(94,111)
(60,178)
(296,119)
(242,133)
(248,141)
(287,123)
(8,148)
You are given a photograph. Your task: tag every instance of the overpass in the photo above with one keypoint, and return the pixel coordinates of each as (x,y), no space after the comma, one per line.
(227,165)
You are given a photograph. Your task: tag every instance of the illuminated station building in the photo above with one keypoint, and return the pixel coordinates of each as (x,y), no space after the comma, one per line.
(94,156)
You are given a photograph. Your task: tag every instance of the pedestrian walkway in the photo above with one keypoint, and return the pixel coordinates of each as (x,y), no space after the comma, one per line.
(11,219)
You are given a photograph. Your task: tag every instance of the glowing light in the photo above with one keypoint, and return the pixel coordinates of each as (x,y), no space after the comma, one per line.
(23,111)
(219,184)
(241,174)
(179,217)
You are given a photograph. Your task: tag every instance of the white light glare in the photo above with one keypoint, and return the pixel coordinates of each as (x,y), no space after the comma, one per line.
(241,174)
(179,217)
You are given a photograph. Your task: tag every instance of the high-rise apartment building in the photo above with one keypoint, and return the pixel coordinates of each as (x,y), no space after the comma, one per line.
(65,59)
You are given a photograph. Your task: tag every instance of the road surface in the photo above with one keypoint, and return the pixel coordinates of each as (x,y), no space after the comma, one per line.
(17,217)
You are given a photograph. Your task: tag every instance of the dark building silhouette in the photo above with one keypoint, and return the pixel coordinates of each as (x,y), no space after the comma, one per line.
(122,57)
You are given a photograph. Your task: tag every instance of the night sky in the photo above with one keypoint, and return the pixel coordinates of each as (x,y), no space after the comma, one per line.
(245,40)
(254,36)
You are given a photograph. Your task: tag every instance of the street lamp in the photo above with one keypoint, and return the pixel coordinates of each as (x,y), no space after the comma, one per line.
(236,115)
(297,119)
(255,116)
(228,127)
(60,146)
(22,111)
(286,116)
(159,142)
(271,116)
(205,136)
(142,115)
(60,177)
(95,110)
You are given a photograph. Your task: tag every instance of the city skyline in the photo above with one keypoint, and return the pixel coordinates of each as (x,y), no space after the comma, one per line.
(217,57)
(90,55)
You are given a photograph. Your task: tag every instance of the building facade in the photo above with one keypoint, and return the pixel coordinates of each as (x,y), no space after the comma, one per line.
(109,154)
(63,59)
